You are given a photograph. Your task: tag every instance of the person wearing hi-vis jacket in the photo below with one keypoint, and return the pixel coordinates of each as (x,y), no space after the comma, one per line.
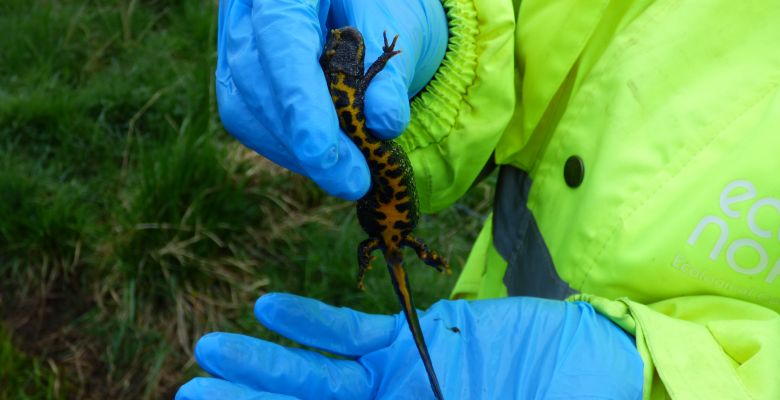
(634,247)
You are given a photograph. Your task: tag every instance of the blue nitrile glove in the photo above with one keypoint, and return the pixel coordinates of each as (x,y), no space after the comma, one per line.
(272,94)
(512,348)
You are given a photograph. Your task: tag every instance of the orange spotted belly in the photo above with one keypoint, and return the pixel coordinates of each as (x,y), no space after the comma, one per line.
(389,210)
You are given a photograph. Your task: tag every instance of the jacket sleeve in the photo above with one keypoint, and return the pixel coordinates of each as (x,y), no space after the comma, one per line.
(701,347)
(460,115)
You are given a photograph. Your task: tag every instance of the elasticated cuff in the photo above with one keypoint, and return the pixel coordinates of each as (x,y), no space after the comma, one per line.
(436,108)
(459,116)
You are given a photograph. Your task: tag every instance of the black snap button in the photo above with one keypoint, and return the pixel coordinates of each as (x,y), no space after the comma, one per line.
(574,171)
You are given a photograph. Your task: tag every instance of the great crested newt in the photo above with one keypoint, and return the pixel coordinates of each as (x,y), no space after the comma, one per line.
(390,210)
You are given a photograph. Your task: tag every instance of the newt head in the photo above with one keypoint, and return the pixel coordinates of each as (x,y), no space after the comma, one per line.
(344,52)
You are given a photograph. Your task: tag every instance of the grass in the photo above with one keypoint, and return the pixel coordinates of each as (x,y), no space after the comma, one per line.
(25,378)
(131,223)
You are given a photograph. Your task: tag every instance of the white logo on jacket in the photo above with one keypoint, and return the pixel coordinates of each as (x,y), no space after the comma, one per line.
(728,198)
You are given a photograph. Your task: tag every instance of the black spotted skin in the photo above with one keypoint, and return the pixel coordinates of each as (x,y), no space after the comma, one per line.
(389,212)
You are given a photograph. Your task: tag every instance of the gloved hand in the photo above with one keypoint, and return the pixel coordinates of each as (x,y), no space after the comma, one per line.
(272,94)
(512,348)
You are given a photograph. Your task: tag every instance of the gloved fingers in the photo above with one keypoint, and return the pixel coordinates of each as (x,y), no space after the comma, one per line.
(387,104)
(289,38)
(218,389)
(348,178)
(336,330)
(269,367)
(387,98)
(298,132)
(238,67)
(432,50)
(242,124)
(244,111)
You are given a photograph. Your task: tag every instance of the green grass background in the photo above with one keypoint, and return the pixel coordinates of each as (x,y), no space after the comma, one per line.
(131,223)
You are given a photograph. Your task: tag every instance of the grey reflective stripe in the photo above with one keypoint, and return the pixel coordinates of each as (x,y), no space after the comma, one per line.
(530,270)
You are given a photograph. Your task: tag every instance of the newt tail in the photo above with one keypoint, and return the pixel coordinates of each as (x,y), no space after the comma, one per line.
(389,212)
(401,286)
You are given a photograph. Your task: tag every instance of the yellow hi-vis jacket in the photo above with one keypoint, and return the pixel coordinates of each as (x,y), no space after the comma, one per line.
(673,109)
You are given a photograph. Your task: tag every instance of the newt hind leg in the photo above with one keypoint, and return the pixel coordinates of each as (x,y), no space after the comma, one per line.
(428,256)
(365,248)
